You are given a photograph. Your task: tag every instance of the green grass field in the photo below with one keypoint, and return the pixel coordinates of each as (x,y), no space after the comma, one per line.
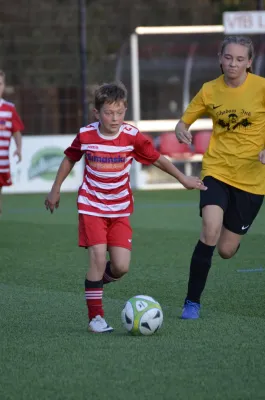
(45,349)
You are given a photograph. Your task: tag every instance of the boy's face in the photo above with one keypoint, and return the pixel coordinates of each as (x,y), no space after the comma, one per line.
(2,86)
(111,117)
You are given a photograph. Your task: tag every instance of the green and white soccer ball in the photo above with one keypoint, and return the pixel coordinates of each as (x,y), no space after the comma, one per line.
(142,315)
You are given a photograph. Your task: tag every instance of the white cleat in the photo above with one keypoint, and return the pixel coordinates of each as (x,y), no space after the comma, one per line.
(99,325)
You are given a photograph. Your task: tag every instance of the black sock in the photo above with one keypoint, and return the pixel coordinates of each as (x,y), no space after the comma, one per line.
(199,268)
(93,284)
(108,276)
(93,295)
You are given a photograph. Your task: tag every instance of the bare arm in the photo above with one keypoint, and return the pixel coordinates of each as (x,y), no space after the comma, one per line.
(189,182)
(182,132)
(18,140)
(63,171)
(53,198)
(165,165)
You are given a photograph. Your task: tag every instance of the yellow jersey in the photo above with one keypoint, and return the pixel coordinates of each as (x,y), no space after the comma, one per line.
(238,116)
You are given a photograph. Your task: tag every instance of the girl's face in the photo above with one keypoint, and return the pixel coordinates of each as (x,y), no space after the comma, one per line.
(235,60)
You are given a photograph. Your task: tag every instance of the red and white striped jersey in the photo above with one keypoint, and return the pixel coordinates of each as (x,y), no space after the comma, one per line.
(106,189)
(10,123)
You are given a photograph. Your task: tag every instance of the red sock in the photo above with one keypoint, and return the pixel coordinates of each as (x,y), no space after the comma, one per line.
(108,276)
(94,294)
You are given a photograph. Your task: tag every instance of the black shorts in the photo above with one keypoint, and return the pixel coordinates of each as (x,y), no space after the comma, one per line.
(240,207)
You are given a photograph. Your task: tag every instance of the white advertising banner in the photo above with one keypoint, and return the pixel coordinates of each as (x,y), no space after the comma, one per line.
(244,22)
(41,157)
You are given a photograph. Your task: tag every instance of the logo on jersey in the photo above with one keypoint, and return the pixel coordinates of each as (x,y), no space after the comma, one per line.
(130,130)
(106,162)
(45,163)
(231,120)
(92,147)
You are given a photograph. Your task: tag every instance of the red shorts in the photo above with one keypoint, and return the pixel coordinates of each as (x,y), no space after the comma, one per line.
(101,230)
(5,179)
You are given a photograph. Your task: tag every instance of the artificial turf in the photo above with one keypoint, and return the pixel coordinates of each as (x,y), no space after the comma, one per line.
(45,349)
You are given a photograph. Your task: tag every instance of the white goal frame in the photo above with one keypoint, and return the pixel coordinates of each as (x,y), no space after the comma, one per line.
(162,125)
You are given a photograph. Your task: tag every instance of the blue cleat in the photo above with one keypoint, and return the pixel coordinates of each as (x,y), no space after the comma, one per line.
(191,310)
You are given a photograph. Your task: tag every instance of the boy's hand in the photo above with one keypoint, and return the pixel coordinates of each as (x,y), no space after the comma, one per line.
(52,200)
(193,182)
(18,154)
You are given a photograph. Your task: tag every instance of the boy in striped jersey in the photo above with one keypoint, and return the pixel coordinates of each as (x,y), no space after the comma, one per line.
(10,125)
(105,199)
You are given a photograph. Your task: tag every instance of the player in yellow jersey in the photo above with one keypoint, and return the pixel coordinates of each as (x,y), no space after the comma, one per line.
(232,167)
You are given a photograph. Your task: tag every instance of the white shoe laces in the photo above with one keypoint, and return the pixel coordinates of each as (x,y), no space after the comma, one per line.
(100,320)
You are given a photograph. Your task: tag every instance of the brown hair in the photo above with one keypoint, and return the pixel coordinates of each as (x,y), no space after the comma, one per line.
(243,41)
(110,93)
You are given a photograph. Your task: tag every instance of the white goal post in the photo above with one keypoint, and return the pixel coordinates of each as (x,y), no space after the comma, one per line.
(138,180)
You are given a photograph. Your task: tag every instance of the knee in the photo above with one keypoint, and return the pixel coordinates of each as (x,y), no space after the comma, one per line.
(119,268)
(210,235)
(226,252)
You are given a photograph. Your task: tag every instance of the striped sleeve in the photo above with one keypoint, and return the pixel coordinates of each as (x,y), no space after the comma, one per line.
(74,151)
(144,151)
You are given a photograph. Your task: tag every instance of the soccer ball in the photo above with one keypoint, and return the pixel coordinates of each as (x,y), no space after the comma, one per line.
(142,315)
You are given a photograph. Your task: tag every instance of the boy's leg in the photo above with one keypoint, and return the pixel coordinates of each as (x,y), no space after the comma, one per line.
(94,289)
(108,276)
(93,230)
(119,246)
(93,282)
(119,262)
(5,180)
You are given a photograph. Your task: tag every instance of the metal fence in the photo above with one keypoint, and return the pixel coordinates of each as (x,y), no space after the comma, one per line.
(40,54)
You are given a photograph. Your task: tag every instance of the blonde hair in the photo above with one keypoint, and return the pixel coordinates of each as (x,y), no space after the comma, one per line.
(243,41)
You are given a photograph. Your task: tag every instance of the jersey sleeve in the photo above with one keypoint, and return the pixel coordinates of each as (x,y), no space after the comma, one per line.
(17,124)
(195,109)
(74,151)
(144,151)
